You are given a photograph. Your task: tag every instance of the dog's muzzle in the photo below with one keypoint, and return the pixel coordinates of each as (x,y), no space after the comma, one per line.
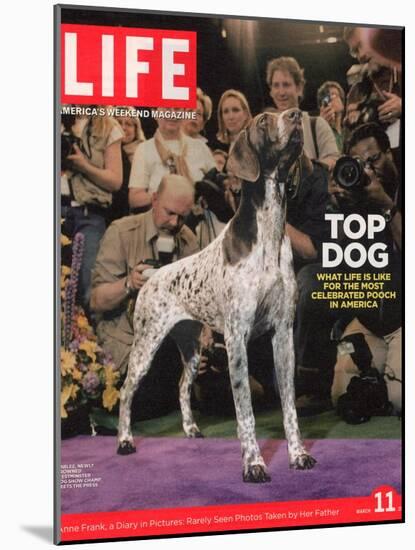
(295,116)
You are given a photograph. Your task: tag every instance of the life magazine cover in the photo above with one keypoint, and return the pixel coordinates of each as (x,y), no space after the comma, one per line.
(229,198)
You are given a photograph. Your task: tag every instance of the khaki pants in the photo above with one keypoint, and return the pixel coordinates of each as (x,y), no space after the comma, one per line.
(386,353)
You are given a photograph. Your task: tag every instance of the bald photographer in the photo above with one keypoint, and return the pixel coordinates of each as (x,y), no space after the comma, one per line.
(131,249)
(373,188)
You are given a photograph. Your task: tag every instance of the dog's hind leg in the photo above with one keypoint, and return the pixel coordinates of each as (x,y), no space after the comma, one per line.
(284,361)
(254,469)
(186,334)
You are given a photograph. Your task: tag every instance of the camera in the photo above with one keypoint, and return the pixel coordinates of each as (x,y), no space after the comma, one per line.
(368,102)
(217,357)
(212,189)
(165,247)
(325,102)
(369,112)
(153,266)
(366,394)
(349,173)
(68,140)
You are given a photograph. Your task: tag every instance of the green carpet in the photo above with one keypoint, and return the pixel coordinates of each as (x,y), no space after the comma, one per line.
(268,425)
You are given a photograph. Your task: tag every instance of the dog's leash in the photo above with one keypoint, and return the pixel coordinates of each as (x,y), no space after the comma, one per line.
(293,181)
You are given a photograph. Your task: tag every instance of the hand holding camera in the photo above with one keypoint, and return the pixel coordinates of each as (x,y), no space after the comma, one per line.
(327,111)
(136,278)
(375,192)
(215,193)
(78,159)
(391,109)
(165,246)
(328,114)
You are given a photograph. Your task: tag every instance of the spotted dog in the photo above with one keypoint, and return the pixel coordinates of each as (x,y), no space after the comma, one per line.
(241,285)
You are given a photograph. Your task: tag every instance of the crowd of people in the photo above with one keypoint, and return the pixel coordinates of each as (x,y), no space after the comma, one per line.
(144,201)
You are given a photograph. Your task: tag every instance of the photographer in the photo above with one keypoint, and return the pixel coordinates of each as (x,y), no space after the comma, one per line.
(307,203)
(331,100)
(376,97)
(120,269)
(377,191)
(92,167)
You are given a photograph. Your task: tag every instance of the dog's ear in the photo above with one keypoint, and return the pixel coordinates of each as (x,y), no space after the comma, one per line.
(243,161)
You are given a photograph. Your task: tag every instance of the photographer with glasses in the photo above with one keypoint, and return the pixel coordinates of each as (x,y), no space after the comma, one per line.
(376,191)
(366,182)
(331,100)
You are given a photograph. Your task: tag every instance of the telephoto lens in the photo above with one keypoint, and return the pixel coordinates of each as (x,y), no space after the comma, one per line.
(349,173)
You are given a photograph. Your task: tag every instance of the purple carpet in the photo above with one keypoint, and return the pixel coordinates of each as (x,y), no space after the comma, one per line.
(171,472)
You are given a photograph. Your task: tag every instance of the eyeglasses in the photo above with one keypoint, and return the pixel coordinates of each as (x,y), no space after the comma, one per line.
(371,161)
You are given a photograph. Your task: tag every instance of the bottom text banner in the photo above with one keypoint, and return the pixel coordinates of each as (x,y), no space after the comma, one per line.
(384,504)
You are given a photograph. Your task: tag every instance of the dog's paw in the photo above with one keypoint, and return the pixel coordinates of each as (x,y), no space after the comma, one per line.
(256,474)
(126,448)
(303,461)
(193,432)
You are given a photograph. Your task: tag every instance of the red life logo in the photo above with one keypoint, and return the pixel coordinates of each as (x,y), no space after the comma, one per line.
(128,66)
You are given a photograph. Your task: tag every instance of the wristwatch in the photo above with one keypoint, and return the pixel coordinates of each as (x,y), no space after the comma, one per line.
(389,214)
(128,288)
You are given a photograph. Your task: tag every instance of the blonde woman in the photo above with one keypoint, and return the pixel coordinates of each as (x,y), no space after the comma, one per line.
(133,136)
(234,115)
(95,174)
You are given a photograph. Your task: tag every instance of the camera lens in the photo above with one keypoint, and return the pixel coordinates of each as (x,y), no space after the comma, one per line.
(325,102)
(349,175)
(349,172)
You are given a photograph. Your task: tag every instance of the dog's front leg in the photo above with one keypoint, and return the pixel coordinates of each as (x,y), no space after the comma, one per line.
(254,469)
(284,361)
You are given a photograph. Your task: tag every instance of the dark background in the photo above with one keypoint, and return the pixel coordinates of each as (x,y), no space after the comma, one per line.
(233,53)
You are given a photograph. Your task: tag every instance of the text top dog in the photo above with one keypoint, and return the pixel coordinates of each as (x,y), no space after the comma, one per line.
(242,285)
